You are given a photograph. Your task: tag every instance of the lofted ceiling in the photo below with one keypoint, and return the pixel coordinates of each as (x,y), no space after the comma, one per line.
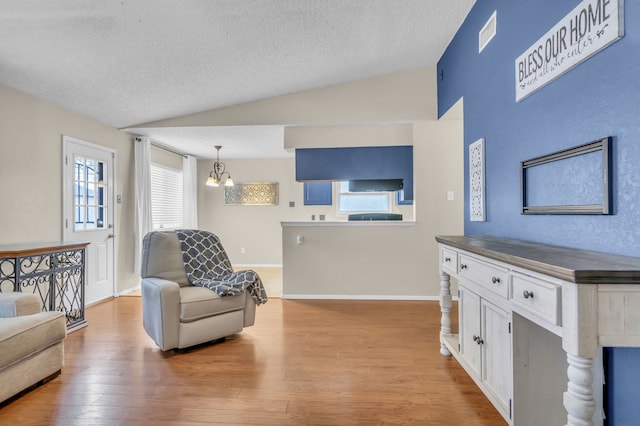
(125,62)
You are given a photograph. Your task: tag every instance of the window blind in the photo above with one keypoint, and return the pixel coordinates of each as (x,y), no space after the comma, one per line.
(166,197)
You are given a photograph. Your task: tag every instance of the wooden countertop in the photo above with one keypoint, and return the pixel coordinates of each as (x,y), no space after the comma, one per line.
(30,249)
(569,264)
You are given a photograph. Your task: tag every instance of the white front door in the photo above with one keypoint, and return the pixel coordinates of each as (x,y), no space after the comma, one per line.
(88,211)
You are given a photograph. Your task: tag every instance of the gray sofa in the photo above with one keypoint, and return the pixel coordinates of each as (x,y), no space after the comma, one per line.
(31,343)
(177,314)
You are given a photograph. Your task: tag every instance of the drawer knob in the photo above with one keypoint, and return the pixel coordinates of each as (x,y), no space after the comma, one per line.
(495,280)
(527,294)
(463,266)
(447,259)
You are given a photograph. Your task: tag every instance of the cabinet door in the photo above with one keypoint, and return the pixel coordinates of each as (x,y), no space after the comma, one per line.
(470,328)
(318,194)
(496,354)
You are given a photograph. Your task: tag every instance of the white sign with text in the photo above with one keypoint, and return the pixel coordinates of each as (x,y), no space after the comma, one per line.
(587,29)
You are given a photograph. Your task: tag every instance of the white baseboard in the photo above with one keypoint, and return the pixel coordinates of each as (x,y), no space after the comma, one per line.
(357,297)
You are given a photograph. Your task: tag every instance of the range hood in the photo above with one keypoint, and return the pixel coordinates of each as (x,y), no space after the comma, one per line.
(372,185)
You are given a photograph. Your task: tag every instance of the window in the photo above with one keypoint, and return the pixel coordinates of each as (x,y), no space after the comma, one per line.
(166,197)
(89,201)
(362,202)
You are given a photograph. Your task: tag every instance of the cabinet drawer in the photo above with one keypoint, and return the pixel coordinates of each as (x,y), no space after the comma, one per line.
(488,275)
(536,296)
(449,260)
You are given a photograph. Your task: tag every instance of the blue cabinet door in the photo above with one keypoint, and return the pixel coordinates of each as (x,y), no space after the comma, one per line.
(318,194)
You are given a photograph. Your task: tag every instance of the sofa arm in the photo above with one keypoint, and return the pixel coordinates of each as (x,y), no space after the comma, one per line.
(161,311)
(16,304)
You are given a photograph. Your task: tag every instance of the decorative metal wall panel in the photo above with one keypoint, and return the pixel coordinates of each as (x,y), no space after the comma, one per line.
(252,194)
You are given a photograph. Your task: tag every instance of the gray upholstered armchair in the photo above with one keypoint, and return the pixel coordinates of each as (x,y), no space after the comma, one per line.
(177,314)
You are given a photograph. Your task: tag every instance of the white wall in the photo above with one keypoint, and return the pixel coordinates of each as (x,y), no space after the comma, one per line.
(387,261)
(165,158)
(257,228)
(347,136)
(30,170)
(363,111)
(31,173)
(394,109)
(254,228)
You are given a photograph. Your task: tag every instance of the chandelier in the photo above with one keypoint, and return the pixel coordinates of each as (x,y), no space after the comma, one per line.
(217,174)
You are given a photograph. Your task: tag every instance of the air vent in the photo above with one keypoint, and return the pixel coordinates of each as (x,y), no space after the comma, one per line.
(487,32)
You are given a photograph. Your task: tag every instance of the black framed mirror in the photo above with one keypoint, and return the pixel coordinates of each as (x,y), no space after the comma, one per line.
(577,180)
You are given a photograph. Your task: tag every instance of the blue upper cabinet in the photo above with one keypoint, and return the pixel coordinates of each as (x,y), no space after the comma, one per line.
(318,194)
(379,162)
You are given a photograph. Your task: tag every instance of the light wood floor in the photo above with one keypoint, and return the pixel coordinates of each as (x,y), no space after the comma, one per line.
(303,363)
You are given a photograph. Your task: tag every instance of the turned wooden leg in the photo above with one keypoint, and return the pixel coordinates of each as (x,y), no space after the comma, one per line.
(445,308)
(578,399)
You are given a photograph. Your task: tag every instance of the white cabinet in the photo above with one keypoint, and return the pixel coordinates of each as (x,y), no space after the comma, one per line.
(485,347)
(469,311)
(536,297)
(533,319)
(496,355)
(449,260)
(490,276)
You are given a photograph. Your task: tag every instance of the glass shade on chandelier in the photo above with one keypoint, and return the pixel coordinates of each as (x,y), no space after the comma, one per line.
(218,173)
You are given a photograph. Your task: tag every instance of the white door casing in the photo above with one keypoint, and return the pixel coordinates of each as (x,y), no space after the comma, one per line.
(89,213)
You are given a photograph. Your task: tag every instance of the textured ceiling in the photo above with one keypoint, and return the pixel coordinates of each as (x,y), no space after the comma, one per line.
(133,61)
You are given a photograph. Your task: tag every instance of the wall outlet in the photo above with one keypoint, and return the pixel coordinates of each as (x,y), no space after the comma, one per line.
(450,196)
(243,250)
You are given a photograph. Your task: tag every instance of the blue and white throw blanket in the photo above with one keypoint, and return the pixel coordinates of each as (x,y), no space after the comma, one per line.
(207,265)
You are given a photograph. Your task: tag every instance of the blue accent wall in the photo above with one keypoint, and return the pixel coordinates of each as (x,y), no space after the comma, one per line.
(598,98)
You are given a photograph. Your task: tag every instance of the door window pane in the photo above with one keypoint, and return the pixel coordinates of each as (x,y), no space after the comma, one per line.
(89,196)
